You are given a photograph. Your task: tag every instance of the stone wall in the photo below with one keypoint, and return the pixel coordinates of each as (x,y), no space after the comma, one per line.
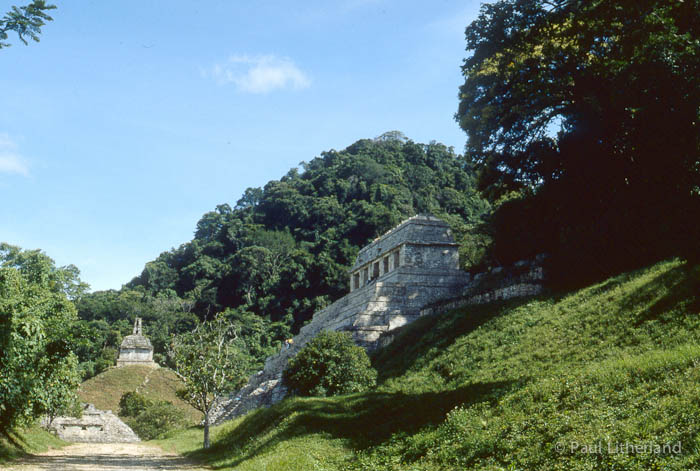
(522,280)
(423,229)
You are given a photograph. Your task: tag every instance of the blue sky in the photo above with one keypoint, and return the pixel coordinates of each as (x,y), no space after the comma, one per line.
(131,119)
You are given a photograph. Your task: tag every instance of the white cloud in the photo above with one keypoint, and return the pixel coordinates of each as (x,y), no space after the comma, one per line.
(10,161)
(259,74)
(6,142)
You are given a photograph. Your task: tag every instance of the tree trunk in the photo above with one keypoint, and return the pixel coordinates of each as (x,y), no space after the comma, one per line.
(206,430)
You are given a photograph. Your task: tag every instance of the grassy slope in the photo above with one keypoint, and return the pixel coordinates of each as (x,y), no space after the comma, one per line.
(498,386)
(105,389)
(22,442)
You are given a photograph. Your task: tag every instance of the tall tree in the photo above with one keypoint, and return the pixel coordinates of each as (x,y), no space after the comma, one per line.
(594,105)
(26,21)
(38,267)
(38,370)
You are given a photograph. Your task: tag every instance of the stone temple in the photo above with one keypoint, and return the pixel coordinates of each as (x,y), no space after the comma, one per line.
(410,271)
(95,426)
(410,266)
(136,349)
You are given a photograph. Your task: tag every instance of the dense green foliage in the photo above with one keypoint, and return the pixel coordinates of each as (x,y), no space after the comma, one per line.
(589,111)
(39,370)
(108,316)
(283,251)
(498,386)
(330,364)
(150,418)
(104,317)
(132,404)
(26,21)
(157,419)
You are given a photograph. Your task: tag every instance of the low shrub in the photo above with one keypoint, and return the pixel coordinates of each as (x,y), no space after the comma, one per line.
(158,419)
(330,364)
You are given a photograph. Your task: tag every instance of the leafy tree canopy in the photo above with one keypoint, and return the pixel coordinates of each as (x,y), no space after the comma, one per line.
(39,370)
(328,365)
(593,105)
(26,21)
(211,360)
(39,268)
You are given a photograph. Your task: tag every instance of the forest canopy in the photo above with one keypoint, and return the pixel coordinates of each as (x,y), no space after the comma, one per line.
(584,116)
(282,251)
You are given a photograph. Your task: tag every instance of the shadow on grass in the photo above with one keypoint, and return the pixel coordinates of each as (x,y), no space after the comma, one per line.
(680,287)
(11,445)
(363,420)
(427,337)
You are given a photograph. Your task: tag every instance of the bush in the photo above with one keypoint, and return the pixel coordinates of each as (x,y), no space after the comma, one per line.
(157,419)
(328,365)
(132,404)
(107,359)
(86,370)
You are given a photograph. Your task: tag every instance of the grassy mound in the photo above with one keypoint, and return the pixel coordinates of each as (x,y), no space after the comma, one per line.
(18,443)
(161,384)
(606,377)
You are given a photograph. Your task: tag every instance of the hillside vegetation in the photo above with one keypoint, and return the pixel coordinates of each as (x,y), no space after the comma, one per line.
(505,386)
(282,252)
(160,384)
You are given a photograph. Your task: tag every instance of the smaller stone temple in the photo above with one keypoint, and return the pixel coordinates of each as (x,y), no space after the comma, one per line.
(95,426)
(136,349)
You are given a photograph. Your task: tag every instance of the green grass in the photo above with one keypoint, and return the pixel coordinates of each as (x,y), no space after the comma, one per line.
(106,389)
(498,387)
(21,442)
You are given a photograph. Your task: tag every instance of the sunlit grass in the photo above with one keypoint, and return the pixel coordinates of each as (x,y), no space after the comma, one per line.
(23,441)
(106,389)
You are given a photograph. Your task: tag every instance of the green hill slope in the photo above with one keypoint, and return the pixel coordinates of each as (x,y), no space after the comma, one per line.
(105,389)
(23,441)
(548,383)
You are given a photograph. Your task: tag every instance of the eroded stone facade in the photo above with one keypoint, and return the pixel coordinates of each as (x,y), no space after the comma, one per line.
(422,242)
(95,426)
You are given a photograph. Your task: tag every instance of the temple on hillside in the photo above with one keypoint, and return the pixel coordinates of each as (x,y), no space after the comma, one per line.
(409,272)
(136,349)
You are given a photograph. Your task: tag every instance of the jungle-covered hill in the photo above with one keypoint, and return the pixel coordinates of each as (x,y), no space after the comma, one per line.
(281,252)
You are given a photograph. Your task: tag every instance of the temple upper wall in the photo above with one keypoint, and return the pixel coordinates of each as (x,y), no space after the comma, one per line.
(419,242)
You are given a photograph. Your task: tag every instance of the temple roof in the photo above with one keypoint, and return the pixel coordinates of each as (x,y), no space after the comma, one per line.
(136,341)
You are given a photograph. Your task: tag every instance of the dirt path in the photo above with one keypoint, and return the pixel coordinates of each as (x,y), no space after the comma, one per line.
(105,457)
